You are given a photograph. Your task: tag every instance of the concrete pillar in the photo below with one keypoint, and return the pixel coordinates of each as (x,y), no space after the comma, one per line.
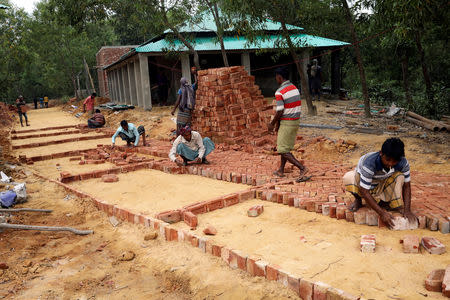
(137,77)
(126,84)
(335,72)
(145,82)
(245,61)
(121,86)
(109,85)
(131,83)
(116,86)
(186,67)
(124,78)
(113,85)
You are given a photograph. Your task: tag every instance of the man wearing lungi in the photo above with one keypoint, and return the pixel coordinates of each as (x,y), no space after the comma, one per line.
(383,180)
(129,133)
(190,146)
(286,121)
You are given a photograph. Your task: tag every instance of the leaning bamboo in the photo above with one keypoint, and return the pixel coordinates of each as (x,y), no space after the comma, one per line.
(426,125)
(12,210)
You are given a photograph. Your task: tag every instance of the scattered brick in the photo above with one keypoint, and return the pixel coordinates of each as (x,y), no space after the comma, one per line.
(446,282)
(411,244)
(210,230)
(255,211)
(433,282)
(433,245)
(109,178)
(172,216)
(368,243)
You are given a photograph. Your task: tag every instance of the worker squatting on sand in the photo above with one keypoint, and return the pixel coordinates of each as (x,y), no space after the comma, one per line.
(286,122)
(190,146)
(383,180)
(129,133)
(97,120)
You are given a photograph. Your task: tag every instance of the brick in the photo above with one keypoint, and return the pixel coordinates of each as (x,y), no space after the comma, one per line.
(283,277)
(246,195)
(197,209)
(422,221)
(371,218)
(210,230)
(65,174)
(190,219)
(255,211)
(432,222)
(251,265)
(349,216)
(360,216)
(320,290)
(433,245)
(261,268)
(444,225)
(217,250)
(272,272)
(340,211)
(294,283)
(368,243)
(215,204)
(230,200)
(411,244)
(306,289)
(337,294)
(171,234)
(446,282)
(194,241)
(333,208)
(433,282)
(202,243)
(109,178)
(326,209)
(225,254)
(172,216)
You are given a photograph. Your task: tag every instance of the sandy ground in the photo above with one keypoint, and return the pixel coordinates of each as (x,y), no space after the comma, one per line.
(48,117)
(49,265)
(80,145)
(275,235)
(52,138)
(151,191)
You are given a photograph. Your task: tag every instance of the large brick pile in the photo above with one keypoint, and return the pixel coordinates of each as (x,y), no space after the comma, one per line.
(229,106)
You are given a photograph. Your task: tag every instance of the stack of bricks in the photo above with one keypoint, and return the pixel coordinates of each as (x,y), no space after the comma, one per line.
(229,106)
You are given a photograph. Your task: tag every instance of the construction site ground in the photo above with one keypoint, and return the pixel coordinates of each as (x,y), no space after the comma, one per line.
(46,265)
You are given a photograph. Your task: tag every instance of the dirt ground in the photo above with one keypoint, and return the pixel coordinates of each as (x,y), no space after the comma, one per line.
(162,191)
(275,236)
(46,265)
(64,266)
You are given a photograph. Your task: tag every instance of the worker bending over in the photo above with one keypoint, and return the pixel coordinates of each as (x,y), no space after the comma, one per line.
(129,133)
(97,120)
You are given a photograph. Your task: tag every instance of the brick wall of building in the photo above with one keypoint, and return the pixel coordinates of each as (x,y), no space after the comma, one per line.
(106,56)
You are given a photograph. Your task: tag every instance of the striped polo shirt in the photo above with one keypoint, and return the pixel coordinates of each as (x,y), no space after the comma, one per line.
(288,101)
(371,170)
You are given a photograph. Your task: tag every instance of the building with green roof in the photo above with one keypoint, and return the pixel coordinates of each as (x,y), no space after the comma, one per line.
(136,77)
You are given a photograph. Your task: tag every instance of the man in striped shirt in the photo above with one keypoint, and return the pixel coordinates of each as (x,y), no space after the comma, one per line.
(286,121)
(383,180)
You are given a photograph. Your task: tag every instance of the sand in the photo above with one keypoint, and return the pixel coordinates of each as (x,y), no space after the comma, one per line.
(48,117)
(50,149)
(150,191)
(275,237)
(52,138)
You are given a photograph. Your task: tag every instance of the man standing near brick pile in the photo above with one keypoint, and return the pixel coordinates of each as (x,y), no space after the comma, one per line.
(185,101)
(190,146)
(286,121)
(129,133)
(382,179)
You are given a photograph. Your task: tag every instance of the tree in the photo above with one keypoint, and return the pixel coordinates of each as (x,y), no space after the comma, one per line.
(362,73)
(219,21)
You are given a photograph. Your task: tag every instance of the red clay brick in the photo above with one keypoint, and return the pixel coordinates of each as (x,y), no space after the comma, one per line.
(349,216)
(368,243)
(446,283)
(306,289)
(294,283)
(216,250)
(434,280)
(225,254)
(210,230)
(190,219)
(230,200)
(255,211)
(371,217)
(340,211)
(251,265)
(433,245)
(194,241)
(320,290)
(246,195)
(215,204)
(172,216)
(411,244)
(283,277)
(109,178)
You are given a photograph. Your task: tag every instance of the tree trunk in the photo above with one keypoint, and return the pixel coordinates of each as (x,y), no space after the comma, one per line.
(405,60)
(215,12)
(362,73)
(426,75)
(301,71)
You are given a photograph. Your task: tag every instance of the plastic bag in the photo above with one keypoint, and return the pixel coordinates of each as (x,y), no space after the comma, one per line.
(21,191)
(7,198)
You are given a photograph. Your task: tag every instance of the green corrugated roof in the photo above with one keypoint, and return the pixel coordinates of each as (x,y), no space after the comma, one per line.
(207,24)
(239,43)
(4,6)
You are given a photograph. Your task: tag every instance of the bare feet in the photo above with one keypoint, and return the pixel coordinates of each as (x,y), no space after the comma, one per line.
(278,173)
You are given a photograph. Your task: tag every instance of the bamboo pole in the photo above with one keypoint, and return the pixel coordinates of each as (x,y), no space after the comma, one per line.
(10,210)
(430,126)
(44,228)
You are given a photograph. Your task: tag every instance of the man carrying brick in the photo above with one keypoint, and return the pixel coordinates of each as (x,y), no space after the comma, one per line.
(129,133)
(190,146)
(286,121)
(382,179)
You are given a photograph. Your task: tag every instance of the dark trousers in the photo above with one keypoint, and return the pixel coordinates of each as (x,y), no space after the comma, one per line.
(126,138)
(20,117)
(93,124)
